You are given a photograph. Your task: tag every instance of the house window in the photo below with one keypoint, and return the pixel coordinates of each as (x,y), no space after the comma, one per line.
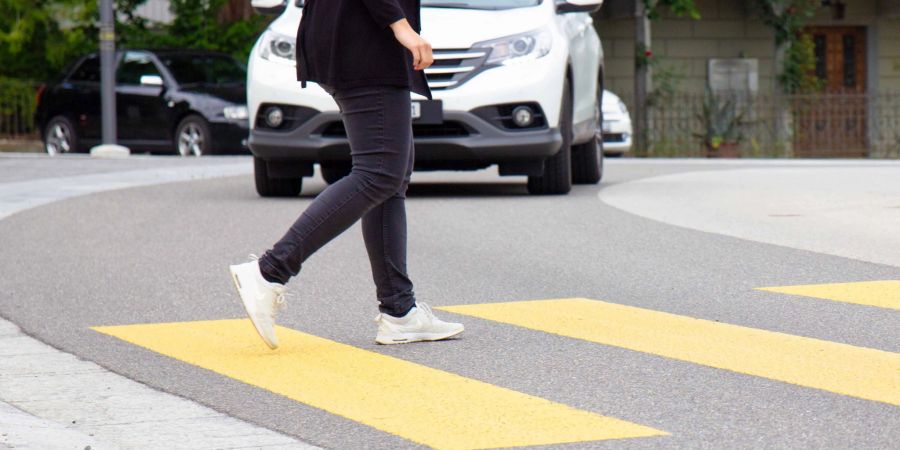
(849,60)
(821,44)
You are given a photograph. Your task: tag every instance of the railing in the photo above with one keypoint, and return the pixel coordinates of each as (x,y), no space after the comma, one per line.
(806,126)
(17,105)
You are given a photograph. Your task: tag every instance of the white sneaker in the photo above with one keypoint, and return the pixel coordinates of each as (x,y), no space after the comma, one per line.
(419,324)
(261,299)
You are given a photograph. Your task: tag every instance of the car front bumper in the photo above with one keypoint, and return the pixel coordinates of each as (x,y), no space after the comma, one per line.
(229,137)
(462,138)
(617,136)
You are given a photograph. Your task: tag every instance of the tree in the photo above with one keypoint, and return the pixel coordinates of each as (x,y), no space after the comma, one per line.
(795,51)
(38,37)
(222,25)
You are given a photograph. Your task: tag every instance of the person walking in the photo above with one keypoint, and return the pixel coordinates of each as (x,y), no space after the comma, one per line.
(368,55)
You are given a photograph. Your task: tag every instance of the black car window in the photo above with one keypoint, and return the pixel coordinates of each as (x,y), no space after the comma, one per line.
(88,71)
(135,65)
(205,69)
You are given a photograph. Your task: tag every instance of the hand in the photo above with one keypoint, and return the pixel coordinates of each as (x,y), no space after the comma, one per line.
(420,48)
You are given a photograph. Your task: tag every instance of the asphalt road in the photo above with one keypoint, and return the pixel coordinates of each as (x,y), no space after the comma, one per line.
(159,254)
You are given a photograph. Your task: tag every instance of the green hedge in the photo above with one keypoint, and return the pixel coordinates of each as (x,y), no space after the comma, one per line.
(17,104)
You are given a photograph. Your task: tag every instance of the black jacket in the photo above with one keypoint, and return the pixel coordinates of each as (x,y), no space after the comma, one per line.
(348,43)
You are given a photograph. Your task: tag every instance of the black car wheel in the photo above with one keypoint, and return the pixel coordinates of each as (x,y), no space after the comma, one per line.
(60,136)
(332,172)
(274,187)
(587,161)
(192,136)
(557,177)
(587,158)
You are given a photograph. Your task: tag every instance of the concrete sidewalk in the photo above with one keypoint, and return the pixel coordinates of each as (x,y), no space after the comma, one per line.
(843,208)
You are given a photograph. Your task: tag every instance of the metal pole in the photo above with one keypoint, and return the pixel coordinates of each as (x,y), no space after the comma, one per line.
(641,77)
(108,70)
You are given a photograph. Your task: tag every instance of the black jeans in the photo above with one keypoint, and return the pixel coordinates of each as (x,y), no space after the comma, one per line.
(379,127)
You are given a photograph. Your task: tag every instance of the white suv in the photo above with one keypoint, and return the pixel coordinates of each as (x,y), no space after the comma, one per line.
(516,83)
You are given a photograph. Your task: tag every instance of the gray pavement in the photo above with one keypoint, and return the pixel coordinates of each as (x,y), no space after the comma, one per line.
(50,399)
(157,254)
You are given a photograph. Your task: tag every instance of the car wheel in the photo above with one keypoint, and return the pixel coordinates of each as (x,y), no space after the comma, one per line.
(274,187)
(332,172)
(192,137)
(60,136)
(587,161)
(587,158)
(557,177)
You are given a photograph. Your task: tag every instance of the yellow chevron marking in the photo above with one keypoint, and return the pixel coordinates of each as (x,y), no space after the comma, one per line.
(844,369)
(425,405)
(883,294)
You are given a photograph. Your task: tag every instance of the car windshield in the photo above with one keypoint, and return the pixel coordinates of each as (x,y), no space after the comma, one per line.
(479,4)
(205,69)
(470,4)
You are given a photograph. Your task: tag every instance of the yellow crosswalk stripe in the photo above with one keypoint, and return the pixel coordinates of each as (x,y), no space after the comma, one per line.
(844,369)
(883,294)
(425,405)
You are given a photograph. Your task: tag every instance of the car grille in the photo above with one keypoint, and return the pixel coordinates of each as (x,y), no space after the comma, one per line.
(452,68)
(445,129)
(613,137)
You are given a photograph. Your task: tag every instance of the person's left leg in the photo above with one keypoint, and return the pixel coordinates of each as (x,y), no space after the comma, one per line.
(402,319)
(384,232)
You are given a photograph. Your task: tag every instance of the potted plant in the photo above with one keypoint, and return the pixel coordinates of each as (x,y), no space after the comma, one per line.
(722,123)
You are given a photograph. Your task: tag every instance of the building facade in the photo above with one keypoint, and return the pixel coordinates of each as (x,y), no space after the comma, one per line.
(857,47)
(155,11)
(729,29)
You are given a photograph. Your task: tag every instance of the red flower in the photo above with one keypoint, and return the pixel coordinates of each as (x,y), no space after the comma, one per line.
(648,54)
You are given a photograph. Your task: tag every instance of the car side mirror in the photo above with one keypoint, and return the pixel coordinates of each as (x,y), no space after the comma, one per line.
(272,7)
(570,6)
(151,80)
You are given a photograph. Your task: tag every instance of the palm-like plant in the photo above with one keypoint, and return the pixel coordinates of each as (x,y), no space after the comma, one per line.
(721,119)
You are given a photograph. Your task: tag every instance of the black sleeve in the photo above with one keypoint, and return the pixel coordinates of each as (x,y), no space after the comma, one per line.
(385,12)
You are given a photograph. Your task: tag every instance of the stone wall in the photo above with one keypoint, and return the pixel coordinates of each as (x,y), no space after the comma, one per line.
(729,29)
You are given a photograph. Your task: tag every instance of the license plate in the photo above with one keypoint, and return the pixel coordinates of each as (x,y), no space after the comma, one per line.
(416,110)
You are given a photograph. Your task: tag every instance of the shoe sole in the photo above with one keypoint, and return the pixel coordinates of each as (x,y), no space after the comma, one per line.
(237,286)
(417,338)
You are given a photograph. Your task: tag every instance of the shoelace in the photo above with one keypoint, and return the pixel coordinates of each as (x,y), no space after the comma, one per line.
(280,294)
(421,306)
(426,309)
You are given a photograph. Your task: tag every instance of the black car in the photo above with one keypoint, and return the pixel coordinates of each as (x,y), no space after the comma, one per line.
(189,102)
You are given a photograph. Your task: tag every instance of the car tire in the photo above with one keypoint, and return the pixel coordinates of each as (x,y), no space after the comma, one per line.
(557,176)
(332,172)
(192,137)
(274,187)
(60,136)
(587,161)
(587,158)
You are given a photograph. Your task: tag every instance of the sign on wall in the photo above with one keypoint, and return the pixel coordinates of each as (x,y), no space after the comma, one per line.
(737,75)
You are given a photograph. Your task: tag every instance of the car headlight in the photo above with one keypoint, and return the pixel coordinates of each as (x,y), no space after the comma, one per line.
(236,112)
(519,47)
(277,47)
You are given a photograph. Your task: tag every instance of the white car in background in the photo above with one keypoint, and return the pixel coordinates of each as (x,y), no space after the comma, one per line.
(516,83)
(617,130)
